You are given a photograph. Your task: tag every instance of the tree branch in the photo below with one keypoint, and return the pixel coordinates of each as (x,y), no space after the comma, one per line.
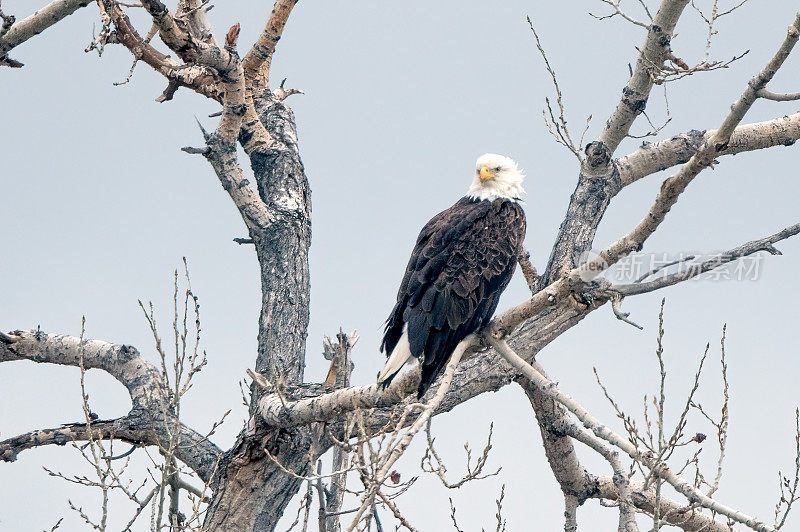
(627,513)
(178,40)
(658,468)
(193,12)
(233,93)
(674,186)
(598,180)
(35,24)
(686,517)
(194,77)
(655,51)
(258,60)
(100,430)
(221,152)
(574,479)
(652,158)
(145,424)
(763,244)
(122,362)
(222,156)
(768,95)
(578,484)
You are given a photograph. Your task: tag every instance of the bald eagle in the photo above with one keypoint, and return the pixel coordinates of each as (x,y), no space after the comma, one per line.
(463,260)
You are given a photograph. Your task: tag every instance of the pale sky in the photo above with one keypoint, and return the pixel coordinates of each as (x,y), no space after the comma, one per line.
(99,205)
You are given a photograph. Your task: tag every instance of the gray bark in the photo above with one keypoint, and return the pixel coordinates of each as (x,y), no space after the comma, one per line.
(282,249)
(599,181)
(251,491)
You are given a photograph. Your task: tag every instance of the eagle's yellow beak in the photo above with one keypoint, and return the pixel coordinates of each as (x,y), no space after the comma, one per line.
(486,174)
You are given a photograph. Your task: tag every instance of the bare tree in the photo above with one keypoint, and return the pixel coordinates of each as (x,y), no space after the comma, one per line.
(293,423)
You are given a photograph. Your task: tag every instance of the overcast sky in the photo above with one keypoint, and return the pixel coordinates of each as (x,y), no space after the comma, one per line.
(99,205)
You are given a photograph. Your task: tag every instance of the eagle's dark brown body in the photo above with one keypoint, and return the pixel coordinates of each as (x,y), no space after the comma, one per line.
(463,260)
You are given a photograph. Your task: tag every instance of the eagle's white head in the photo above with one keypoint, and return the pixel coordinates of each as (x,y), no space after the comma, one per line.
(496,176)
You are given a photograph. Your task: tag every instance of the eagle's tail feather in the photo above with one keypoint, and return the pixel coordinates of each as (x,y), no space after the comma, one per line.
(400,355)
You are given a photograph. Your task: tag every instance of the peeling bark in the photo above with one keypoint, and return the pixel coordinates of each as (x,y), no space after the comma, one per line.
(283,249)
(252,491)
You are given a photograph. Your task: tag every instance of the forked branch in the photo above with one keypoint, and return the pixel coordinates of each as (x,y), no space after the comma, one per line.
(600,430)
(685,273)
(674,186)
(146,424)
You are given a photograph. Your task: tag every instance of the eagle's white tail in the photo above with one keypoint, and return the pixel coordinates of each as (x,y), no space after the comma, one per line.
(400,354)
